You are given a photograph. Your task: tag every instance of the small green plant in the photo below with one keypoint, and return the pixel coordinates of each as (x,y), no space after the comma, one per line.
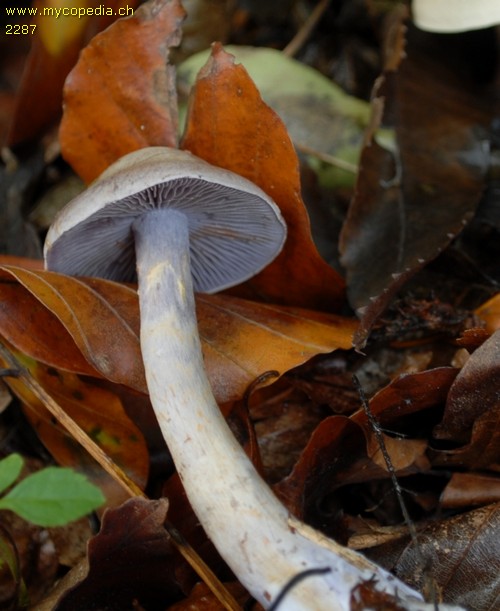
(52,496)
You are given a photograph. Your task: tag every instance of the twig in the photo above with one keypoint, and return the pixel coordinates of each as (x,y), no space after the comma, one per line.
(308,26)
(330,159)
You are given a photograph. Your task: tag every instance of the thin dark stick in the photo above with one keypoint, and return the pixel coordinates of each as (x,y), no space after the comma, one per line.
(294,581)
(375,426)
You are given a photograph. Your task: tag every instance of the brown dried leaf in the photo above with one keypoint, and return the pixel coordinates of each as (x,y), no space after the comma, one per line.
(490,313)
(470,489)
(241,339)
(120,97)
(462,554)
(29,326)
(347,447)
(230,126)
(98,412)
(55,44)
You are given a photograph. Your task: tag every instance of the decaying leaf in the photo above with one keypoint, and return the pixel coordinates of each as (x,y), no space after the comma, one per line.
(131,562)
(343,450)
(409,204)
(474,394)
(461,558)
(123,85)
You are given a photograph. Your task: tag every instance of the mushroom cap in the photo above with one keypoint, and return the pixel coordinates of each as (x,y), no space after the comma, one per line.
(235,229)
(446,16)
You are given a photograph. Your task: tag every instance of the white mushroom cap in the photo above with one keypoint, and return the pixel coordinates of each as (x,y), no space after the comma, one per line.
(235,228)
(448,16)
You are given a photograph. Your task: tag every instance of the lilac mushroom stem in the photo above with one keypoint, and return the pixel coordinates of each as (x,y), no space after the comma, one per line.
(252,530)
(145,212)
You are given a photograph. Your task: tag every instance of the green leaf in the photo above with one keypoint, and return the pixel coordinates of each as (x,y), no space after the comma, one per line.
(10,468)
(52,497)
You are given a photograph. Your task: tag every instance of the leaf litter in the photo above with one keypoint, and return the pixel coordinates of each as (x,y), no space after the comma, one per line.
(424,293)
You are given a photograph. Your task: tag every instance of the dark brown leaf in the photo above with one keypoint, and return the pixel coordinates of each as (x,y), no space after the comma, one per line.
(470,490)
(462,556)
(343,450)
(474,393)
(130,562)
(410,204)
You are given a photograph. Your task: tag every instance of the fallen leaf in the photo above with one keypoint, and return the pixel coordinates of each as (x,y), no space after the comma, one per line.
(470,490)
(202,599)
(101,317)
(343,450)
(230,126)
(241,339)
(461,556)
(410,203)
(29,326)
(317,113)
(120,96)
(408,394)
(490,313)
(131,562)
(473,394)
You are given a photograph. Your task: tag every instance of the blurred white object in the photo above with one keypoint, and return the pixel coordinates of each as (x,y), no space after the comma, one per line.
(455,15)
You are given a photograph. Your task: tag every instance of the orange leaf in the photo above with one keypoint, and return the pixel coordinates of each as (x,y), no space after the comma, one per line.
(101,317)
(120,96)
(490,313)
(32,329)
(230,126)
(240,339)
(55,44)
(243,339)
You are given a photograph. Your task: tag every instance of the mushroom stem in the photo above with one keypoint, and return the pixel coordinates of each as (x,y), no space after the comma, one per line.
(252,530)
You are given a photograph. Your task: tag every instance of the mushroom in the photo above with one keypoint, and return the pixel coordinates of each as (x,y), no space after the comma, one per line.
(184,225)
(446,16)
